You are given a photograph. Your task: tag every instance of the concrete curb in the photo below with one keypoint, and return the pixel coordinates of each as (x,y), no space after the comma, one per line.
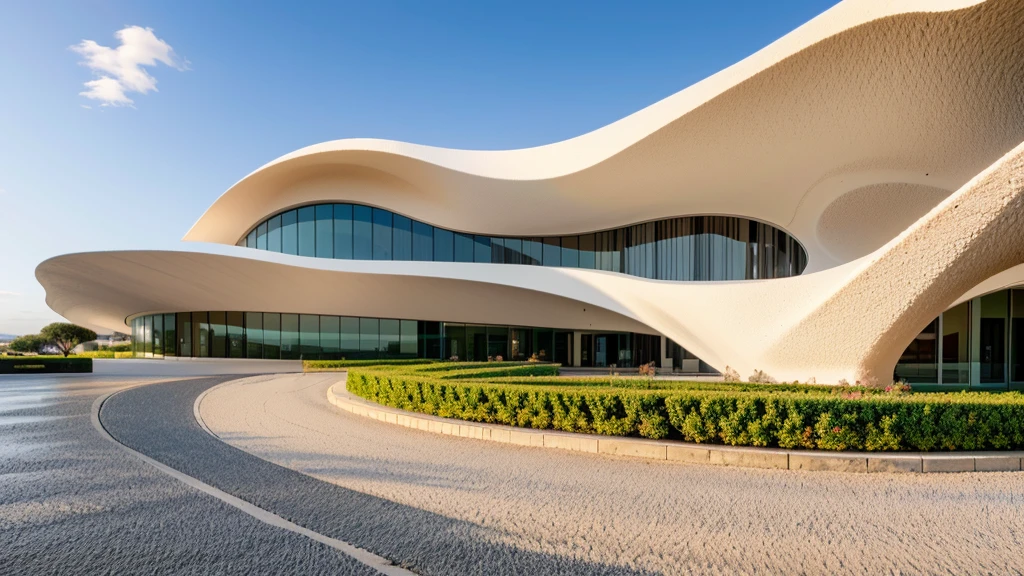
(810,460)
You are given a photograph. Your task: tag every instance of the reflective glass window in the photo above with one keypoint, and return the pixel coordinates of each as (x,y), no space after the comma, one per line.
(402,238)
(261,236)
(369,336)
(381,234)
(444,245)
(158,335)
(274,234)
(990,352)
(586,248)
(325,231)
(422,242)
(390,337)
(272,336)
(532,251)
(170,335)
(236,335)
(570,252)
(552,252)
(463,247)
(309,336)
(343,231)
(200,335)
(476,343)
(330,337)
(349,334)
(362,233)
(918,363)
(147,335)
(956,345)
(1017,336)
(184,334)
(455,341)
(290,337)
(307,231)
(218,335)
(513,250)
(497,250)
(481,248)
(254,334)
(290,232)
(409,334)
(250,240)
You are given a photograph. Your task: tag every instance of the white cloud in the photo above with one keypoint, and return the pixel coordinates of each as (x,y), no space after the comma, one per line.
(120,70)
(4,293)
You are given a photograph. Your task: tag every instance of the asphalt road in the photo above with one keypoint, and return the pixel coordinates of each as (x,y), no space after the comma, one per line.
(72,502)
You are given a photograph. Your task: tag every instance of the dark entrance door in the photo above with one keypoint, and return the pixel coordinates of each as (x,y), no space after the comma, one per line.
(993,350)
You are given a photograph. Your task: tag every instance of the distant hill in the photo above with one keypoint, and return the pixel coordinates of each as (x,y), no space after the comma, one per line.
(7,337)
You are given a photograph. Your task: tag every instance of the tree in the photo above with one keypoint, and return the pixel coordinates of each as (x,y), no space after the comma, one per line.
(66,336)
(28,343)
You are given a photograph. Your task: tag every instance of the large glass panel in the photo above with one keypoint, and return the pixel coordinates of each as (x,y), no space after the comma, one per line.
(254,334)
(463,247)
(274,234)
(422,242)
(158,335)
(272,336)
(184,334)
(956,345)
(570,252)
(402,238)
(542,338)
(481,248)
(476,343)
(409,333)
(309,336)
(1017,337)
(170,335)
(455,341)
(349,335)
(552,252)
(343,231)
(369,337)
(325,231)
(513,250)
(218,335)
(586,257)
(290,232)
(429,339)
(147,335)
(390,338)
(200,335)
(918,364)
(497,342)
(307,231)
(497,250)
(532,251)
(362,232)
(261,236)
(250,240)
(444,245)
(290,337)
(236,335)
(992,327)
(381,234)
(330,338)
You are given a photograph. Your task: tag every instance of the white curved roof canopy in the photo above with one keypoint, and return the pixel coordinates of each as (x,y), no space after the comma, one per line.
(922,93)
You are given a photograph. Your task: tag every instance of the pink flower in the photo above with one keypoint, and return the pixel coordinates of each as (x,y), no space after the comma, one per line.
(837,430)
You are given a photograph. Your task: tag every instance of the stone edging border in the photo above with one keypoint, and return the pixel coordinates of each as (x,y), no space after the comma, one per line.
(811,460)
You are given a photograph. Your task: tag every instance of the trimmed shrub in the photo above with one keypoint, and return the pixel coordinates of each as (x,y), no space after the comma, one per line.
(128,354)
(44,364)
(96,354)
(785,416)
(333,365)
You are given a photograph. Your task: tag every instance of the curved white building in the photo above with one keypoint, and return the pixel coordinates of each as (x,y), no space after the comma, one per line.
(843,204)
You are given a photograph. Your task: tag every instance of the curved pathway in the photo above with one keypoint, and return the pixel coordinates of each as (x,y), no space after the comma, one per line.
(587,513)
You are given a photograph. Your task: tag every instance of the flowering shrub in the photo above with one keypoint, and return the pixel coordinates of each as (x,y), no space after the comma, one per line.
(731,375)
(761,377)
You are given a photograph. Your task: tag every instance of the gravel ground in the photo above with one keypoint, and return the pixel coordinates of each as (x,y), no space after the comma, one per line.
(457,501)
(71,502)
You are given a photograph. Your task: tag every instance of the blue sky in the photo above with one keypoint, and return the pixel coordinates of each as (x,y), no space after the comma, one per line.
(250,81)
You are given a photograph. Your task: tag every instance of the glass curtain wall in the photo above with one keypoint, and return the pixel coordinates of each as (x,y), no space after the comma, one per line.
(978,344)
(688,248)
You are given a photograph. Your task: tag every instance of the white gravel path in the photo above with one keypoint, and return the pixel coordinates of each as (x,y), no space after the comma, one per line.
(637,514)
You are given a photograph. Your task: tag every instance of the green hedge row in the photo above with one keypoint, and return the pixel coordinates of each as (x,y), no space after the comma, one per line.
(96,354)
(332,365)
(44,364)
(785,419)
